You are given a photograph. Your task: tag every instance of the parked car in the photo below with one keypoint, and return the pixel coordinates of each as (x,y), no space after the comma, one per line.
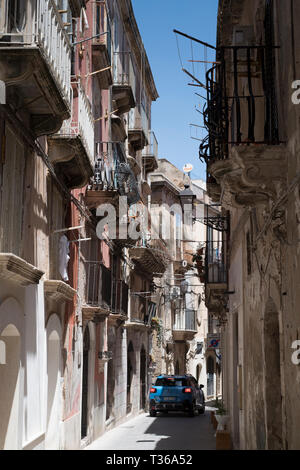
(176,393)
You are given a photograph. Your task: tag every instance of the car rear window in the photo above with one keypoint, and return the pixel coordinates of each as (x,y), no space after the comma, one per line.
(171,382)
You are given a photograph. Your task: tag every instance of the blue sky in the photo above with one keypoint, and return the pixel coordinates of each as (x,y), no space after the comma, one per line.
(174,111)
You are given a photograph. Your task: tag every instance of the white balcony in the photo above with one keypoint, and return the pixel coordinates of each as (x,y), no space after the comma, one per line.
(35,62)
(185,326)
(72,148)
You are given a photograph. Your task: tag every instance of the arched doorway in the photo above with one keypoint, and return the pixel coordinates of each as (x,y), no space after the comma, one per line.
(130,371)
(272,377)
(143,379)
(85,381)
(10,388)
(210,369)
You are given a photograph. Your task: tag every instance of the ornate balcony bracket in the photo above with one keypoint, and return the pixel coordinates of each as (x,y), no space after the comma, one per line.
(183,335)
(94,198)
(28,70)
(96,314)
(71,160)
(58,291)
(17,270)
(253,175)
(216,299)
(117,320)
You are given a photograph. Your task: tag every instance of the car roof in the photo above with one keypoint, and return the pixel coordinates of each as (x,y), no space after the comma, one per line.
(174,376)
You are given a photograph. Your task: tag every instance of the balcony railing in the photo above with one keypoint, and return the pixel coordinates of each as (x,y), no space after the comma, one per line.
(120,298)
(98,285)
(241,101)
(39,27)
(151,150)
(123,71)
(102,25)
(81,123)
(215,263)
(185,320)
(138,119)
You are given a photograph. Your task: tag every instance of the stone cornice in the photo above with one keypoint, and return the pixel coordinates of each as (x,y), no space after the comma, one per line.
(58,291)
(17,270)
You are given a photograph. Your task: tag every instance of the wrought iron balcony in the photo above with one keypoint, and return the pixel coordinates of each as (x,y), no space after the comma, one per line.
(150,153)
(241,102)
(112,178)
(216,276)
(72,148)
(120,298)
(243,150)
(185,326)
(124,86)
(151,256)
(35,62)
(98,285)
(102,44)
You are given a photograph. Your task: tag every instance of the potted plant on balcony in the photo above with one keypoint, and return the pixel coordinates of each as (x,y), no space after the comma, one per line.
(157,326)
(198,260)
(221,415)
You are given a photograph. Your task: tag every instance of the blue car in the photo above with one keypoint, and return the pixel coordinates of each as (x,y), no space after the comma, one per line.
(176,393)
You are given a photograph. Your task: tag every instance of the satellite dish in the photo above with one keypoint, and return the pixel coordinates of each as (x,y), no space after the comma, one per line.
(188,168)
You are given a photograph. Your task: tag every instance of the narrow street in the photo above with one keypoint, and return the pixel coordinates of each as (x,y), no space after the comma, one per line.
(165,432)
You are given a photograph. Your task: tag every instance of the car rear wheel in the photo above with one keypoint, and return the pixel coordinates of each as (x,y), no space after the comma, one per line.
(152,414)
(192,411)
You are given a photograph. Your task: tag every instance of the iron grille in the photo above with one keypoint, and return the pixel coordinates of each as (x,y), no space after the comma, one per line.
(235,118)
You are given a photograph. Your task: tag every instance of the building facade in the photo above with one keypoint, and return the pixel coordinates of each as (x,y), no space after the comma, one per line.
(75,294)
(253,171)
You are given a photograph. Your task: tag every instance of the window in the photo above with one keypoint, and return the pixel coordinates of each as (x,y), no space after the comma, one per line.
(171,382)
(16,15)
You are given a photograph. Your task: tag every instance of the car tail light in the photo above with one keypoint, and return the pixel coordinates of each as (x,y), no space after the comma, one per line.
(153,390)
(187,390)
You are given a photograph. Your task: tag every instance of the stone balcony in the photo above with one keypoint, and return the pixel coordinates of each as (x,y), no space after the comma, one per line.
(71,150)
(123,87)
(150,153)
(185,327)
(35,65)
(253,175)
(138,128)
